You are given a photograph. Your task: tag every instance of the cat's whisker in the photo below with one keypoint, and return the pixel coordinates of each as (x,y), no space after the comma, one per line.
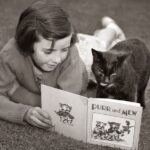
(103,84)
(111,85)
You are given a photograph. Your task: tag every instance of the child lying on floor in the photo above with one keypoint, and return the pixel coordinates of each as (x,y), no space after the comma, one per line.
(45,50)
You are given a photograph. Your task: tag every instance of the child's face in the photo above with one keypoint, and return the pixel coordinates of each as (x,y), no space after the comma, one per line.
(48,59)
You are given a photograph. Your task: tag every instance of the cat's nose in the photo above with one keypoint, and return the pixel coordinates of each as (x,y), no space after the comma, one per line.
(106,80)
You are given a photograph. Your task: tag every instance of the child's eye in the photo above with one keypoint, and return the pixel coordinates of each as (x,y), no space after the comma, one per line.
(48,51)
(65,49)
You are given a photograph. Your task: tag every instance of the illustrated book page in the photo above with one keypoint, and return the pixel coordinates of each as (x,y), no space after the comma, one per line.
(68,111)
(114,123)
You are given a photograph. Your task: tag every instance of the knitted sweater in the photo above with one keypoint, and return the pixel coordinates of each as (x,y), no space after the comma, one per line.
(19,87)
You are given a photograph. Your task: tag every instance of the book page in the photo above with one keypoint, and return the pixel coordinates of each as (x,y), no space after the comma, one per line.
(114,124)
(68,111)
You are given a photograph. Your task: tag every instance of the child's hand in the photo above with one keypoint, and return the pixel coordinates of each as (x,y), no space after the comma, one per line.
(37,117)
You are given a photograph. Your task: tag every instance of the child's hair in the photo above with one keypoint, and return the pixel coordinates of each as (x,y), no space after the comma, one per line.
(45,19)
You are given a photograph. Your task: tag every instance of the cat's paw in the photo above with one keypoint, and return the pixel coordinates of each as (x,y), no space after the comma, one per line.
(110,89)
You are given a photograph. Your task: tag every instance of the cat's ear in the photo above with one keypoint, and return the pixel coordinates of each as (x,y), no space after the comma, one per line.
(122,57)
(97,55)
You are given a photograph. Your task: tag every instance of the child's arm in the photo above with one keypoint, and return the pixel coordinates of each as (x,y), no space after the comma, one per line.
(16,101)
(11,88)
(19,113)
(24,96)
(11,111)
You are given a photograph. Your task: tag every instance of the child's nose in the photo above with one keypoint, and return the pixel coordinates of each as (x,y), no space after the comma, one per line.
(57,57)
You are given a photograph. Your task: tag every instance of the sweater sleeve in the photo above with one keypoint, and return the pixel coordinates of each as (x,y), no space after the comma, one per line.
(73,76)
(11,111)
(24,96)
(13,97)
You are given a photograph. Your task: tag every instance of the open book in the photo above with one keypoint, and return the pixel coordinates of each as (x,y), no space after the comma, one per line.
(106,122)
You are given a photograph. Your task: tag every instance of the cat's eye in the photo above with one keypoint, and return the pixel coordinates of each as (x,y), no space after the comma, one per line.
(113,76)
(99,73)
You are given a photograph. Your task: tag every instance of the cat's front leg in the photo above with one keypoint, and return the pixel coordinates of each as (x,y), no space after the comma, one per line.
(100,92)
(130,97)
(141,98)
(111,90)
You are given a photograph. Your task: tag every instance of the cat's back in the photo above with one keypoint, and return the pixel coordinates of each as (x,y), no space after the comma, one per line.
(139,53)
(136,47)
(131,45)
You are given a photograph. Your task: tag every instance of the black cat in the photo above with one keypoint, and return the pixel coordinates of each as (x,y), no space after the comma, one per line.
(123,72)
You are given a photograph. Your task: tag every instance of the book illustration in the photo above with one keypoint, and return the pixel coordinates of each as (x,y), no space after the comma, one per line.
(113,133)
(64,114)
(113,129)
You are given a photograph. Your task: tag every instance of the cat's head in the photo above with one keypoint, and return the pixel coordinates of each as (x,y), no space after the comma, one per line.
(100,124)
(106,65)
(114,125)
(65,107)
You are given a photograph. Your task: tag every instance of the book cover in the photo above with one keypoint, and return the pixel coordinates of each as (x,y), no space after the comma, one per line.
(105,122)
(68,112)
(114,123)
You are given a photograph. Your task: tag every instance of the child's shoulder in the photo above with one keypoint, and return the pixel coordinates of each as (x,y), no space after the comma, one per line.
(10,51)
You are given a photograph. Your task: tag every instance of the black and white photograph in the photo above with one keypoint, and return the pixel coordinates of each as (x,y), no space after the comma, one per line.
(63,60)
